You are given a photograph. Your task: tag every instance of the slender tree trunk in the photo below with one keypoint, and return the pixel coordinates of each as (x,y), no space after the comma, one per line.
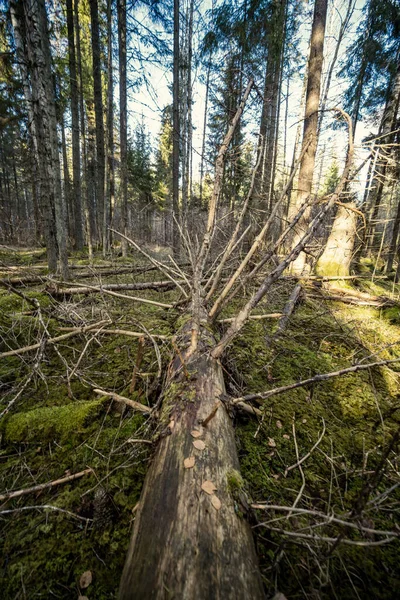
(98,109)
(188,543)
(175,133)
(307,164)
(203,143)
(110,189)
(76,158)
(67,183)
(123,134)
(86,183)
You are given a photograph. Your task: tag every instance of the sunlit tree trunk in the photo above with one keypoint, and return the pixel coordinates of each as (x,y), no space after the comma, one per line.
(76,158)
(175,131)
(98,109)
(309,144)
(110,181)
(123,133)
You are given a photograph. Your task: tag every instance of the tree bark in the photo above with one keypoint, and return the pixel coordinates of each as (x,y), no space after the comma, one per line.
(121,11)
(31,36)
(98,110)
(307,165)
(76,158)
(175,132)
(338,253)
(110,183)
(182,545)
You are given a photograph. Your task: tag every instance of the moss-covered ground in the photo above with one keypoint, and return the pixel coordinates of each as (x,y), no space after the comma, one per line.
(58,426)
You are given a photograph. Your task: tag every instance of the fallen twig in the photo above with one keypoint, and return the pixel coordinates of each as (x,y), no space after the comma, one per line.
(315,379)
(44,486)
(131,403)
(55,340)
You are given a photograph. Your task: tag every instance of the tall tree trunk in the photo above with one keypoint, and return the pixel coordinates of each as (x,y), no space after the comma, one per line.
(98,110)
(31,19)
(123,134)
(67,182)
(188,543)
(175,132)
(395,235)
(76,158)
(87,185)
(203,143)
(110,184)
(310,140)
(388,125)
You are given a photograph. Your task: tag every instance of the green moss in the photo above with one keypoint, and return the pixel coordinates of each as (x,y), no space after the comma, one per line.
(234,481)
(43,424)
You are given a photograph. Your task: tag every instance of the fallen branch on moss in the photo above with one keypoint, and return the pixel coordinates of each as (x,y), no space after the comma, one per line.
(134,334)
(85,290)
(131,403)
(44,507)
(316,379)
(288,310)
(254,317)
(55,340)
(328,520)
(44,486)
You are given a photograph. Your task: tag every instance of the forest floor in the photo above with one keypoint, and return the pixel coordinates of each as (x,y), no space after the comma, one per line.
(58,426)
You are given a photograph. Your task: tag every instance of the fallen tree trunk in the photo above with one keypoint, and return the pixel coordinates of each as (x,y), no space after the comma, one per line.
(190,540)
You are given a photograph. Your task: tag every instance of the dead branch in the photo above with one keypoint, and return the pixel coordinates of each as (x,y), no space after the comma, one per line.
(44,486)
(254,317)
(317,378)
(216,276)
(12,511)
(131,403)
(134,334)
(378,302)
(275,274)
(300,461)
(328,518)
(85,290)
(328,540)
(55,340)
(288,310)
(256,244)
(138,362)
(125,297)
(165,269)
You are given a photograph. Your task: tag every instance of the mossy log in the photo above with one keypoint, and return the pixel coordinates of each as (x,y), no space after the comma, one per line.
(187,543)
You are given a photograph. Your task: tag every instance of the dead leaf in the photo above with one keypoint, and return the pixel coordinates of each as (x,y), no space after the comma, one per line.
(208,487)
(171,425)
(276,476)
(216,502)
(199,444)
(279,424)
(304,421)
(195,433)
(117,350)
(85,579)
(271,442)
(189,462)
(286,436)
